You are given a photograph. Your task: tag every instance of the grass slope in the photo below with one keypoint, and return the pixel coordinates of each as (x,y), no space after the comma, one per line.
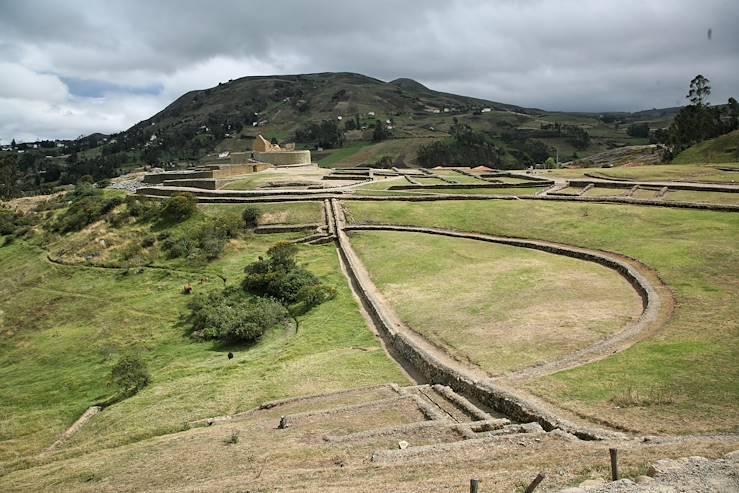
(722,149)
(502,308)
(686,376)
(62,326)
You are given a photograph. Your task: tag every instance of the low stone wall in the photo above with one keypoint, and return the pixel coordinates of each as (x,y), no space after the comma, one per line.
(281,158)
(286,228)
(466,186)
(695,187)
(206,183)
(155,178)
(233,170)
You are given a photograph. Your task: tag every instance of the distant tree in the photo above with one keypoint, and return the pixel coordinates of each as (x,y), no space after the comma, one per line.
(12,144)
(640,130)
(380,132)
(700,89)
(273,141)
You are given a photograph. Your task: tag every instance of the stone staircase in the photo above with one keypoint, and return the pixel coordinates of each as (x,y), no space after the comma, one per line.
(387,422)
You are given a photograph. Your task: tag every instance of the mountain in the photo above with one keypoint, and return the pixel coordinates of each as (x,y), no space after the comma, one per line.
(286,101)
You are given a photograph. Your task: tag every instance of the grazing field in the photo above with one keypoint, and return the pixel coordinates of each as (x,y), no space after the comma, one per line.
(500,307)
(684,379)
(62,327)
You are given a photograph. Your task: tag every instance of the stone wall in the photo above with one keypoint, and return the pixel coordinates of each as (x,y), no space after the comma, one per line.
(282,158)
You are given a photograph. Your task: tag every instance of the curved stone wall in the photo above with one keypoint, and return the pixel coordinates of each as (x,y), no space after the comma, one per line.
(283,158)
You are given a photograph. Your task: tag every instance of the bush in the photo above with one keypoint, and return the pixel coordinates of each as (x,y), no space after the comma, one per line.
(251,216)
(232,316)
(314,295)
(88,205)
(279,276)
(179,207)
(204,242)
(144,209)
(130,374)
(14,222)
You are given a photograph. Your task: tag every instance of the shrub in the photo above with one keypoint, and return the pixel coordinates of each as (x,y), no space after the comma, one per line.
(314,295)
(130,374)
(179,207)
(88,205)
(145,209)
(204,242)
(232,316)
(251,216)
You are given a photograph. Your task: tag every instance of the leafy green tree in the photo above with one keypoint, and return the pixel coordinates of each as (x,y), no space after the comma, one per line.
(179,207)
(232,316)
(250,215)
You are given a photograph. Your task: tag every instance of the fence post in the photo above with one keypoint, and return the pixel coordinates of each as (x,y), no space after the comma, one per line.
(474,483)
(538,479)
(614,464)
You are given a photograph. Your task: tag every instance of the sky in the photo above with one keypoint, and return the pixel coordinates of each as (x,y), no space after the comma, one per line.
(70,68)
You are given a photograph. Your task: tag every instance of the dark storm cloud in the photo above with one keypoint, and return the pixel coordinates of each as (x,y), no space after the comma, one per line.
(72,67)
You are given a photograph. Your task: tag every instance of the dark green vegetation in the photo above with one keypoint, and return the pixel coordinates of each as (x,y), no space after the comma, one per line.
(130,374)
(280,277)
(695,358)
(231,316)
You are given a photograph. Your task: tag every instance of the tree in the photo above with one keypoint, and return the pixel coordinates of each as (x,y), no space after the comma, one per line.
(179,207)
(12,144)
(250,216)
(638,130)
(700,89)
(380,132)
(130,374)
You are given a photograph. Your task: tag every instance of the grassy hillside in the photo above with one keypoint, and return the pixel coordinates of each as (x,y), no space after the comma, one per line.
(63,326)
(723,149)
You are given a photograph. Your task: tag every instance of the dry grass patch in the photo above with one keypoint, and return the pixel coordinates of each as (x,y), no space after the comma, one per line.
(501,307)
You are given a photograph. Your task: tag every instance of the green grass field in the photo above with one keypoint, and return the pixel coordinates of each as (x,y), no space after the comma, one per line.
(695,360)
(62,326)
(502,308)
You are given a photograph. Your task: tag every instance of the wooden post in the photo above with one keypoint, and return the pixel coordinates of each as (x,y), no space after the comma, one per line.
(614,464)
(538,479)
(474,483)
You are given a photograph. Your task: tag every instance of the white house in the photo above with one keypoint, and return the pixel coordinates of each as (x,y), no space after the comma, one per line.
(370,113)
(487,110)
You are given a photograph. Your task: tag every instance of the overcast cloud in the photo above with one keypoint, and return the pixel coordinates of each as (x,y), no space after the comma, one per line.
(72,67)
